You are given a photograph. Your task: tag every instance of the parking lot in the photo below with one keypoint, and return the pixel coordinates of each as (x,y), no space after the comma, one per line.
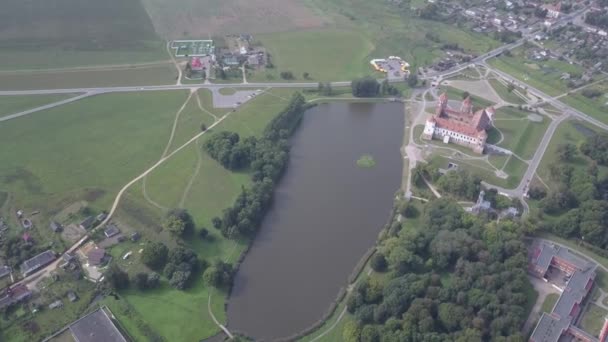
(233,100)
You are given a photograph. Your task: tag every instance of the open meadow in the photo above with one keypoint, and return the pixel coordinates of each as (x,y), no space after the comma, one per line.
(15,104)
(518,132)
(158,74)
(85,150)
(595,106)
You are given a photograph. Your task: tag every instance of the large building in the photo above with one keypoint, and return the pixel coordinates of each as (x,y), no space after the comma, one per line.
(32,265)
(98,326)
(559,325)
(462,127)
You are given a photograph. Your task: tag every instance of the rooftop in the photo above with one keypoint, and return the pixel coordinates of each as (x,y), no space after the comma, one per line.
(37,261)
(96,327)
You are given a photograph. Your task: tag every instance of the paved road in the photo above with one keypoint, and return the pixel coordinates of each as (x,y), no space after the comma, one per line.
(48,106)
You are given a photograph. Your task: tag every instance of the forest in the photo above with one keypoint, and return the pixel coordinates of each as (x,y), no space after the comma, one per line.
(454,277)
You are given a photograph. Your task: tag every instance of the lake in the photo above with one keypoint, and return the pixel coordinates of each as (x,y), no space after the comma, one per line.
(327,213)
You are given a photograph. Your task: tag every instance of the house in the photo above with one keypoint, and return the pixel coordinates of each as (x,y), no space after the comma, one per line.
(98,326)
(87,222)
(31,265)
(253,60)
(111,230)
(481,205)
(4,271)
(56,226)
(462,127)
(56,304)
(580,274)
(553,11)
(230,61)
(72,296)
(97,256)
(102,216)
(13,295)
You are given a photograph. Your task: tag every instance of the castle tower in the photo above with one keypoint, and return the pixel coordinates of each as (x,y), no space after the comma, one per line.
(467,106)
(442,103)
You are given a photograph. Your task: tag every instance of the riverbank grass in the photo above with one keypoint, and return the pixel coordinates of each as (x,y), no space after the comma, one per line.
(366,161)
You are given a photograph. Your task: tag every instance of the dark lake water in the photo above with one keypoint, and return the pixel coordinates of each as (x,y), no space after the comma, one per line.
(327,213)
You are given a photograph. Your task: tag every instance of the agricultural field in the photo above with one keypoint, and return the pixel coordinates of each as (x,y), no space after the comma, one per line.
(518,132)
(544,75)
(595,106)
(158,74)
(15,104)
(67,33)
(191,18)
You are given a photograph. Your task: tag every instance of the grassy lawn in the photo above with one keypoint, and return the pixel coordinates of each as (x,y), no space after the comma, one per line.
(83,150)
(531,296)
(504,93)
(15,104)
(456,95)
(544,75)
(520,135)
(595,107)
(314,52)
(593,319)
(549,302)
(158,74)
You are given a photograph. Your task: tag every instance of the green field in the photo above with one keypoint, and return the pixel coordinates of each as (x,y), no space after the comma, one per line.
(456,95)
(595,107)
(67,33)
(15,104)
(314,52)
(504,93)
(158,74)
(566,132)
(83,150)
(593,319)
(545,75)
(549,302)
(520,135)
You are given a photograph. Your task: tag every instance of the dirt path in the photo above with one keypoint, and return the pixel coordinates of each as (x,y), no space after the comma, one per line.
(200,106)
(179,70)
(193,177)
(148,198)
(175,121)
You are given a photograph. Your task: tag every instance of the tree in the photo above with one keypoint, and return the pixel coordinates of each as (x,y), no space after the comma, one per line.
(141,281)
(155,255)
(219,275)
(203,233)
(116,277)
(287,75)
(378,262)
(179,222)
(510,87)
(365,87)
(305,75)
(216,222)
(320,88)
(465,95)
(537,192)
(327,90)
(412,80)
(351,332)
(566,152)
(369,333)
(203,127)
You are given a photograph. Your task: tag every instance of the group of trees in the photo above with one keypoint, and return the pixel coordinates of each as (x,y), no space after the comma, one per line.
(265,157)
(365,87)
(597,18)
(324,89)
(581,193)
(146,281)
(179,222)
(219,275)
(178,265)
(456,278)
(458,183)
(287,75)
